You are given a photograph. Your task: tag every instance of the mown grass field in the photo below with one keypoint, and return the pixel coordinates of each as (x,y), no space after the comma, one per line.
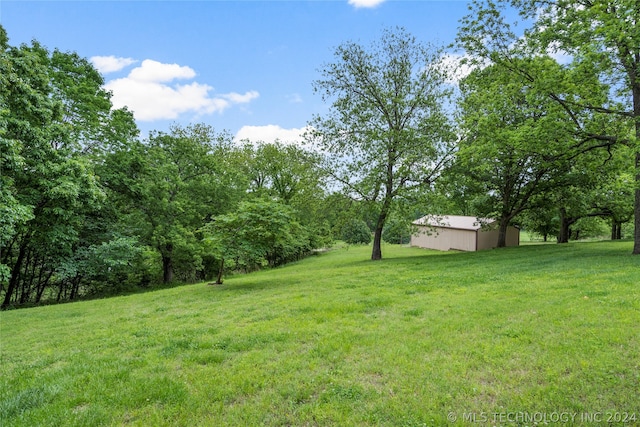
(419,338)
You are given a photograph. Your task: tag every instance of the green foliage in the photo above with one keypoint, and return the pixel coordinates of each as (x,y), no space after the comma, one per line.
(543,221)
(86,208)
(387,130)
(397,232)
(600,42)
(590,228)
(258,233)
(285,172)
(49,184)
(518,141)
(180,179)
(356,232)
(104,268)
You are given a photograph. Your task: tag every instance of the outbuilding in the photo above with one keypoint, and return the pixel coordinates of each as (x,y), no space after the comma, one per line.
(462,233)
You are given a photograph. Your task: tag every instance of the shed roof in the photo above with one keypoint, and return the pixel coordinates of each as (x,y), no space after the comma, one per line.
(454,221)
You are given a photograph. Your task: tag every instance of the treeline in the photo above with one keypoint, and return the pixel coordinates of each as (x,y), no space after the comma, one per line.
(525,139)
(87,207)
(90,208)
(559,83)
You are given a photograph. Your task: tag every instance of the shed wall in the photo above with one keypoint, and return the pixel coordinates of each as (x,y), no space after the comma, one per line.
(488,239)
(513,236)
(444,239)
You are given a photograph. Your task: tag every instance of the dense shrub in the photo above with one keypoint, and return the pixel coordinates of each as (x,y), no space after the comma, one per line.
(356,232)
(396,232)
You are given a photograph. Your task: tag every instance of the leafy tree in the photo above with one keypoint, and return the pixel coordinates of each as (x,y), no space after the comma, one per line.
(397,231)
(286,172)
(336,209)
(543,220)
(290,175)
(183,180)
(387,131)
(599,185)
(515,144)
(614,195)
(104,267)
(589,227)
(48,105)
(601,40)
(452,194)
(258,232)
(356,232)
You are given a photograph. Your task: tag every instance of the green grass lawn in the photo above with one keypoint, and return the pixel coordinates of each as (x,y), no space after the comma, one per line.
(419,338)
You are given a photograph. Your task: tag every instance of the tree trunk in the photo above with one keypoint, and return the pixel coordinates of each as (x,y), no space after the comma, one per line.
(75,288)
(61,287)
(42,285)
(636,208)
(635,89)
(565,224)
(27,278)
(220,272)
(167,264)
(376,252)
(502,232)
(15,275)
(616,230)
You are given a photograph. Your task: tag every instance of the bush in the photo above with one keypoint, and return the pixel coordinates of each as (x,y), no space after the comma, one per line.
(396,232)
(356,232)
(590,228)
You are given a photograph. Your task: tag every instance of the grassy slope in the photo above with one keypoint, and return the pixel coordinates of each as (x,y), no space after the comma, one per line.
(340,340)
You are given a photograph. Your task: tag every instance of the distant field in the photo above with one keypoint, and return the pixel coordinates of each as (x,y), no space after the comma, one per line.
(419,338)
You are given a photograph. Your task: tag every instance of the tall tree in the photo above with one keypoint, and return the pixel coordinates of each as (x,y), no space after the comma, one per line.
(601,38)
(183,180)
(286,172)
(517,142)
(48,102)
(259,231)
(599,184)
(387,131)
(293,176)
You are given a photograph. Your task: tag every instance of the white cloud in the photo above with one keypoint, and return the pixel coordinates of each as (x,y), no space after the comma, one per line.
(365,3)
(151,93)
(238,98)
(154,71)
(294,98)
(271,133)
(110,64)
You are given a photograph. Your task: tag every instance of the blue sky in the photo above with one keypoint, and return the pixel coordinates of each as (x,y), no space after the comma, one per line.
(242,66)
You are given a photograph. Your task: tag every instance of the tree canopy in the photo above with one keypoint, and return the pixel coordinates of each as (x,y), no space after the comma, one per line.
(88,207)
(52,107)
(387,132)
(601,41)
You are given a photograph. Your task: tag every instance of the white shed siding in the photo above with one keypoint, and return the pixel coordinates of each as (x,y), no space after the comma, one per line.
(445,239)
(487,239)
(460,233)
